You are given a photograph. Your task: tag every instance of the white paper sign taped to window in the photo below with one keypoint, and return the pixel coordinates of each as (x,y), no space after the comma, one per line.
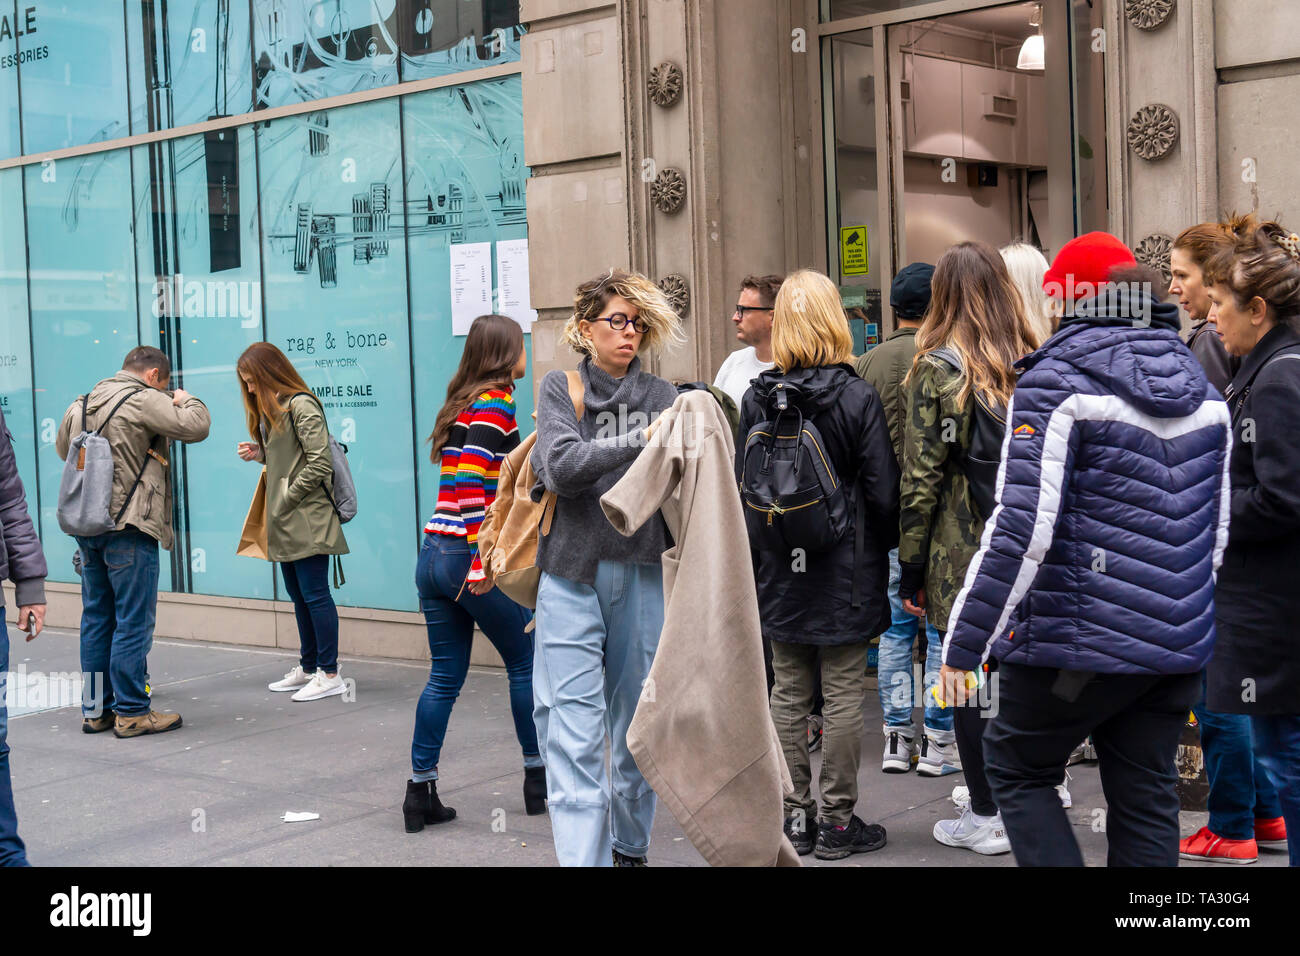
(471,284)
(514,298)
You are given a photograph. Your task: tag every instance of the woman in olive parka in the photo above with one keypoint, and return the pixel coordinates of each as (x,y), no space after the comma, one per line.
(973,334)
(302,527)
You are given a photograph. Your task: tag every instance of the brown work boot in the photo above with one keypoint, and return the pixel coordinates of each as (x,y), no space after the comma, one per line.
(97,725)
(154,722)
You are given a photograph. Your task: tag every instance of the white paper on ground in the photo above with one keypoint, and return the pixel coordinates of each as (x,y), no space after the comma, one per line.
(299,816)
(471,284)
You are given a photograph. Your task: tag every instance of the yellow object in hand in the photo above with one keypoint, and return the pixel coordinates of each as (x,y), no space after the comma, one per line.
(972,682)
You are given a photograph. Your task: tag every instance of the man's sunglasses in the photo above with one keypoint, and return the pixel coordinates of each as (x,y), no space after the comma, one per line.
(741,310)
(618,322)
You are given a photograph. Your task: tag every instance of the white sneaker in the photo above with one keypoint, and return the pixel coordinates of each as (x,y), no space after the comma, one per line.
(937,759)
(985,835)
(900,752)
(293,680)
(961,797)
(320,686)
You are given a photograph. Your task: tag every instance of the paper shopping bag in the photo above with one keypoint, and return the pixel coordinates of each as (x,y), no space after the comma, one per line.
(252,541)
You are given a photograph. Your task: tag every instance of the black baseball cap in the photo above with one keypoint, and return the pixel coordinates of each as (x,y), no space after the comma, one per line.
(910,294)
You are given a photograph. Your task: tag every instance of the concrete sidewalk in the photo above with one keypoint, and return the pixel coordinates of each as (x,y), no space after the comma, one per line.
(213,793)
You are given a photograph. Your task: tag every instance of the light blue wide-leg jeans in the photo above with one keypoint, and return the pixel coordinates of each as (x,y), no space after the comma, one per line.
(594,647)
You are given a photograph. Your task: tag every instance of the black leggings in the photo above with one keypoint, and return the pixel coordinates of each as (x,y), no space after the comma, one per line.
(968,723)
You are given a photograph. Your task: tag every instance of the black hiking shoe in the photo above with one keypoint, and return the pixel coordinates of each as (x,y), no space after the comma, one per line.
(834,843)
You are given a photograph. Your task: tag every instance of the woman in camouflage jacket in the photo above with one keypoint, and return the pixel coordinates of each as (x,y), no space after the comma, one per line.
(977,315)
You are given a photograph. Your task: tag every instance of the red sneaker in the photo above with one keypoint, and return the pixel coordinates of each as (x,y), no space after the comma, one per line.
(1204,845)
(1271,833)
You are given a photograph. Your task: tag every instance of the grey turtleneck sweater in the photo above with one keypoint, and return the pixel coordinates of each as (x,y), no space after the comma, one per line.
(581,460)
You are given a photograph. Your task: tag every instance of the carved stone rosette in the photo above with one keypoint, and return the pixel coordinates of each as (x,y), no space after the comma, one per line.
(1154,251)
(1148,14)
(664,86)
(677,290)
(668,191)
(1153,131)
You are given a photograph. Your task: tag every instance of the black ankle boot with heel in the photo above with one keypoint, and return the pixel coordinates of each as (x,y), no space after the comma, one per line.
(535,790)
(423,806)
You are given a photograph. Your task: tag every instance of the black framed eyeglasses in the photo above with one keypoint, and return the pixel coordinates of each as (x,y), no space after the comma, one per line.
(618,322)
(742,310)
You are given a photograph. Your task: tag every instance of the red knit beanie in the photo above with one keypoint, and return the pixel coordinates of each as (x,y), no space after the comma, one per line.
(1083,266)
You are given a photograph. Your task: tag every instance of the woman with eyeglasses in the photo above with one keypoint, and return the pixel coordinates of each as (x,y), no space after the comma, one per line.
(600,602)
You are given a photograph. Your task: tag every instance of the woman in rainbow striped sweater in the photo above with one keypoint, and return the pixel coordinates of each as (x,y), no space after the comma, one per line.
(475,429)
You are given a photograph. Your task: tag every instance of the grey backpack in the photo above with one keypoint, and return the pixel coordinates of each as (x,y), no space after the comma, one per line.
(86,489)
(344,498)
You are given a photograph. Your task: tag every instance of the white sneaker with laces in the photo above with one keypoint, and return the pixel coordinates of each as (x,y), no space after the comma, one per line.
(319,687)
(292,681)
(984,835)
(900,751)
(937,759)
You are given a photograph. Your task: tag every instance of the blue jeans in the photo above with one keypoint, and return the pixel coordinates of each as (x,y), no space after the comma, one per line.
(595,646)
(308,582)
(1276,739)
(441,569)
(12,851)
(1240,790)
(894,670)
(119,599)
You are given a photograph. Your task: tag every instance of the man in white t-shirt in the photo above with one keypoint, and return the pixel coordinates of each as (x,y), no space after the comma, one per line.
(753,320)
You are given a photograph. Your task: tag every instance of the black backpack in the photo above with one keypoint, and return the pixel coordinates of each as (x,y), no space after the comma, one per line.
(984,456)
(793,498)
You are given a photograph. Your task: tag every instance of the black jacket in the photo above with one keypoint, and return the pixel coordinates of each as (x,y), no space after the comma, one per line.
(813,604)
(1255,668)
(1219,366)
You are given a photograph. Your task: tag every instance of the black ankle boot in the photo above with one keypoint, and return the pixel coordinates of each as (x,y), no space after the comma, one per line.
(423,806)
(535,790)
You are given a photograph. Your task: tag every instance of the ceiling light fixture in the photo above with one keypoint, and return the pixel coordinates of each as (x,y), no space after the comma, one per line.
(1031,51)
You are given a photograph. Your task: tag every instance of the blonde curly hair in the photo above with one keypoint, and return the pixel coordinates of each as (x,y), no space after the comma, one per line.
(652,307)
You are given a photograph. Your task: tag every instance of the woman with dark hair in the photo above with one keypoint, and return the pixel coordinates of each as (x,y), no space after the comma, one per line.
(1194,247)
(473,433)
(973,334)
(1243,805)
(291,438)
(1255,670)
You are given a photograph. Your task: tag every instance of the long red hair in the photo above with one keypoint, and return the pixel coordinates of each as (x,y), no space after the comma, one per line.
(275,380)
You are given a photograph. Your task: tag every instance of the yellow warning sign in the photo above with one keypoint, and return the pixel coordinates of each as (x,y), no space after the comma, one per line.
(853,250)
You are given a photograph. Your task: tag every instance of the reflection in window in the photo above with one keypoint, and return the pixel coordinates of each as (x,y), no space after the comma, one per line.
(10,141)
(190,61)
(449,36)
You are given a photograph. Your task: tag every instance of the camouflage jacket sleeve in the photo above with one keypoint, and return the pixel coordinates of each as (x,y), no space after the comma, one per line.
(927,431)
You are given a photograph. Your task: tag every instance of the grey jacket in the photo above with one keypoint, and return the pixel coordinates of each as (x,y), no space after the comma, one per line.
(581,460)
(21,557)
(139,434)
(1219,366)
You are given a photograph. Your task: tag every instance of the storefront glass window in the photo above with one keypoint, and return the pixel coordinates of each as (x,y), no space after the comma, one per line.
(465,186)
(15,344)
(190,61)
(10,144)
(83,305)
(196,230)
(72,72)
(843,9)
(334,267)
